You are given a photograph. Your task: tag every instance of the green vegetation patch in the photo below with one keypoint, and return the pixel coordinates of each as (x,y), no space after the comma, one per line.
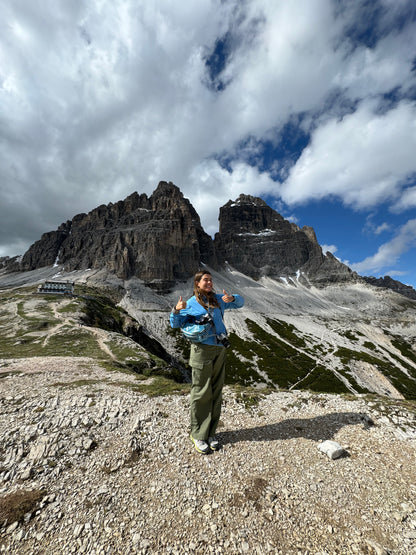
(43,313)
(125,349)
(108,293)
(13,294)
(68,342)
(405,348)
(240,371)
(73,342)
(322,380)
(370,346)
(409,367)
(157,370)
(156,386)
(287,331)
(182,344)
(70,308)
(346,372)
(101,312)
(403,383)
(250,397)
(20,310)
(351,335)
(152,368)
(283,364)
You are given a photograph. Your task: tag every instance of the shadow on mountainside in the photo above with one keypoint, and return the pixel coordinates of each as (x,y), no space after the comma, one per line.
(318,428)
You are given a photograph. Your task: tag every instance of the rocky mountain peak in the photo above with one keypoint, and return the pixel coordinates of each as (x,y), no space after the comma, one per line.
(258,241)
(247,214)
(160,240)
(157,239)
(167,196)
(247,199)
(310,233)
(387,282)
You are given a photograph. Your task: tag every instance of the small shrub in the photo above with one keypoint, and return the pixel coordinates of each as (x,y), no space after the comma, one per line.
(369,345)
(250,397)
(350,335)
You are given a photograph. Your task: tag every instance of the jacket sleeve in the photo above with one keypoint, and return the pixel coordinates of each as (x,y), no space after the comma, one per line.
(178,320)
(237,303)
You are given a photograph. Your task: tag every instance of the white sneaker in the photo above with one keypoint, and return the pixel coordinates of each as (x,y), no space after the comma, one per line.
(201,446)
(213,443)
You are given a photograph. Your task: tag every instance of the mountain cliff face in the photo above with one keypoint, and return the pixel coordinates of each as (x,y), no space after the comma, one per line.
(157,239)
(160,240)
(387,282)
(256,240)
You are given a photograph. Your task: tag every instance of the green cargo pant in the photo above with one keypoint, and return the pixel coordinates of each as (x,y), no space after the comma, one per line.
(208,372)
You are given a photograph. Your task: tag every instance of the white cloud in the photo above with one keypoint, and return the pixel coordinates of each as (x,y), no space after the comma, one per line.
(99,99)
(371,71)
(331,248)
(214,186)
(286,68)
(98,102)
(290,217)
(381,228)
(396,273)
(406,200)
(362,158)
(375,229)
(389,253)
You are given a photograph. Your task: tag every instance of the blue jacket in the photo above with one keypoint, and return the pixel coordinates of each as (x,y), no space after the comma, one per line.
(193,308)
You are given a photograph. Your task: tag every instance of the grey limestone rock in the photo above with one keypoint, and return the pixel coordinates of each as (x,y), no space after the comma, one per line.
(258,241)
(389,283)
(158,239)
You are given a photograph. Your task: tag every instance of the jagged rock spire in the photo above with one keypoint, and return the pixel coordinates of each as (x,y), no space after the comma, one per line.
(159,239)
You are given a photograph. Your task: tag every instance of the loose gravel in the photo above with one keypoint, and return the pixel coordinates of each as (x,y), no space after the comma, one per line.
(118,473)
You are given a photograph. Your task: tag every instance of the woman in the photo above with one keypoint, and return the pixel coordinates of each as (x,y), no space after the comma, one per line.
(207,358)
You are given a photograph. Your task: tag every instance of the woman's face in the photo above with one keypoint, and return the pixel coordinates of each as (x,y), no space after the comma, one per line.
(205,283)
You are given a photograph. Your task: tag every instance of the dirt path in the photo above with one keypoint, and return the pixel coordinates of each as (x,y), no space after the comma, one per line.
(101,336)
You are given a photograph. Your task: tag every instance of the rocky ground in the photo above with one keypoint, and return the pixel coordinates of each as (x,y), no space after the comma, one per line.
(90,465)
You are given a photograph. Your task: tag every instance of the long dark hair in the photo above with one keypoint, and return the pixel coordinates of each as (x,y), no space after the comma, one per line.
(204,299)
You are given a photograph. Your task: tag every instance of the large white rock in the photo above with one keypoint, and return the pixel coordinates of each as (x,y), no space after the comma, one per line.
(331,448)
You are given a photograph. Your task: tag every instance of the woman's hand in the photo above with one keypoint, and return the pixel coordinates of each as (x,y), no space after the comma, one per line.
(227,298)
(180,304)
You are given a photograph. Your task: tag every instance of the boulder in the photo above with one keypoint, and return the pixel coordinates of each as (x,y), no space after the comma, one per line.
(332,449)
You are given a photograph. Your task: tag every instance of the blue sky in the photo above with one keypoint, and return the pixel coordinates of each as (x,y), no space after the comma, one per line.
(308,104)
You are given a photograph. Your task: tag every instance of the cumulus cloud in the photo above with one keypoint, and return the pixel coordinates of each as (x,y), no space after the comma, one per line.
(100,99)
(388,253)
(359,159)
(381,228)
(219,185)
(406,200)
(329,248)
